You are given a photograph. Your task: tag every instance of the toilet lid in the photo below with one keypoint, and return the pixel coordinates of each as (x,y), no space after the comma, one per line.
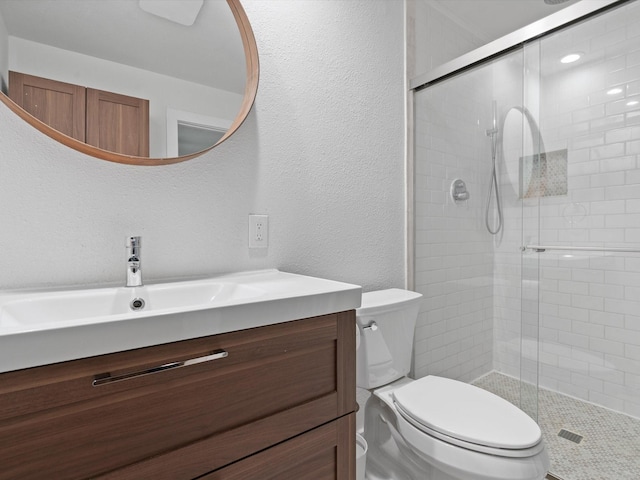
(468,413)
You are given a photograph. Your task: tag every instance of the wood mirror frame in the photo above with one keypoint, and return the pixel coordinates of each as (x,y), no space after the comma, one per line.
(250,91)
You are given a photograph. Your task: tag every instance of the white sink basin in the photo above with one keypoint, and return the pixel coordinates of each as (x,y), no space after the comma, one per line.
(42,327)
(104,304)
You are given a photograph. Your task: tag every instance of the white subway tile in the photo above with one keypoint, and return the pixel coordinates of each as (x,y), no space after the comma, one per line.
(607,207)
(607,235)
(632,235)
(604,290)
(619,163)
(606,400)
(588,302)
(606,318)
(631,351)
(573,339)
(587,328)
(606,123)
(601,345)
(607,179)
(623,192)
(632,205)
(622,335)
(625,307)
(622,278)
(589,113)
(632,322)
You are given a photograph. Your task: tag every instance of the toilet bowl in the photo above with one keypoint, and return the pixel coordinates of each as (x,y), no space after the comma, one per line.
(433,428)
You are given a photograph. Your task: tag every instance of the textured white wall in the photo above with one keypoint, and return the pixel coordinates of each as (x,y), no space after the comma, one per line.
(4,53)
(321,153)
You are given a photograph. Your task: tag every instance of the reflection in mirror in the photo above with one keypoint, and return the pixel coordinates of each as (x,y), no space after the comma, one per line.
(522,152)
(196,75)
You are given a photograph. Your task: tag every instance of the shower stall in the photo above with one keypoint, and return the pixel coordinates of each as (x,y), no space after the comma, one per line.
(531,278)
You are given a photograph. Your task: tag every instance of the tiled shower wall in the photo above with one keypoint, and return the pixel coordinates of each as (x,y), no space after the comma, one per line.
(589,301)
(452,270)
(454,259)
(482,296)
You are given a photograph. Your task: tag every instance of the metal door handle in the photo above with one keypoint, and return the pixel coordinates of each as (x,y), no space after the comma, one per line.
(104,378)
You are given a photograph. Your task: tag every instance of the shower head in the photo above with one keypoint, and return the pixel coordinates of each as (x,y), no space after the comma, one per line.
(555,2)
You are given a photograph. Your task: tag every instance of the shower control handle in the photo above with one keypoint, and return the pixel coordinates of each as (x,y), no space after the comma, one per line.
(459,191)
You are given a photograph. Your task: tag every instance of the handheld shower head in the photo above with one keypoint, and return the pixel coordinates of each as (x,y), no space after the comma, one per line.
(494,129)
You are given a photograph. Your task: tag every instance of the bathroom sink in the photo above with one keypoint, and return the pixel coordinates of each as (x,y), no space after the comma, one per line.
(47,326)
(100,304)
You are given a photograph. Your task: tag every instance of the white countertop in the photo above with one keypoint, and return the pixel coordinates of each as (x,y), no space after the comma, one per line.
(279,297)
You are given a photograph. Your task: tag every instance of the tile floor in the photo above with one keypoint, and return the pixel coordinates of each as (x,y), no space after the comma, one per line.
(610,448)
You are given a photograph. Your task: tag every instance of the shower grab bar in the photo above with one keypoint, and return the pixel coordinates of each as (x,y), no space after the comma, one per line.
(544,248)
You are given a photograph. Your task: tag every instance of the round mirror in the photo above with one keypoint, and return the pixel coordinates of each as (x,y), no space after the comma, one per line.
(522,146)
(142,82)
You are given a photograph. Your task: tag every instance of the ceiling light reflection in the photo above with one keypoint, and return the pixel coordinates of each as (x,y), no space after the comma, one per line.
(572,57)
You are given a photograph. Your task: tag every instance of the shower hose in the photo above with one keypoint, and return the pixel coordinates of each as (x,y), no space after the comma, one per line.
(493,186)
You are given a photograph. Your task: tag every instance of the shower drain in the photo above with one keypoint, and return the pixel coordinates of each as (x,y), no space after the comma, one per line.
(574,437)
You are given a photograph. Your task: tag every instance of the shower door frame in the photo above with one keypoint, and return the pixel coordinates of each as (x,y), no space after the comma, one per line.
(515,40)
(561,19)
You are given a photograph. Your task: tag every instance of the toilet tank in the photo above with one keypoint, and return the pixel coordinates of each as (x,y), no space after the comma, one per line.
(386,325)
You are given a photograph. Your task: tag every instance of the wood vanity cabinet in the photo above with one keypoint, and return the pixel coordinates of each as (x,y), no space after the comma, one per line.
(279,405)
(107,120)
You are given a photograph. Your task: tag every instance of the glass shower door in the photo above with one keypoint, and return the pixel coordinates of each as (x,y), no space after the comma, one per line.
(581,224)
(471,324)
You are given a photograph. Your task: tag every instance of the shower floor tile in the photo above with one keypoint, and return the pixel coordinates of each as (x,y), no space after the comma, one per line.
(609,449)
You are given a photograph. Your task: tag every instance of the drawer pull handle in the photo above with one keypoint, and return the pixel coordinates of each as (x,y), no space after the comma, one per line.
(105,378)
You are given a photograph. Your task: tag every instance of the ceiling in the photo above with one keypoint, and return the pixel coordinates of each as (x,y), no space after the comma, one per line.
(118,30)
(492,19)
(196,53)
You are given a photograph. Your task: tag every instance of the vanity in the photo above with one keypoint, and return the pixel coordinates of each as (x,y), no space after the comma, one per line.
(245,376)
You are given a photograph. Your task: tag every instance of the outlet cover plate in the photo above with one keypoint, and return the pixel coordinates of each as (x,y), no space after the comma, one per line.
(258,231)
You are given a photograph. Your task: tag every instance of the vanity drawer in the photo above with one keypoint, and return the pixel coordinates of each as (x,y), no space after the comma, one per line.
(274,383)
(325,453)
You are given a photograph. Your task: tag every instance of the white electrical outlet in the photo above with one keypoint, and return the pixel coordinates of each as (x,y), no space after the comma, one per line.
(258,231)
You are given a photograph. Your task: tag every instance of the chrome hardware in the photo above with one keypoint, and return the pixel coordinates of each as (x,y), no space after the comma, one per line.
(137,304)
(459,191)
(104,378)
(373,326)
(134,264)
(544,248)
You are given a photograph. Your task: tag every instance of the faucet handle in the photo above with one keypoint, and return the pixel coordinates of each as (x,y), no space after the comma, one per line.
(133,242)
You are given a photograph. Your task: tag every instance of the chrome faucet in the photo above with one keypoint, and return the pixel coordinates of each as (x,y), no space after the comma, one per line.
(134,271)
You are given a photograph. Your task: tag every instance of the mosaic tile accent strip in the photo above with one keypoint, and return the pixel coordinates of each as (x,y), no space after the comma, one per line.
(610,448)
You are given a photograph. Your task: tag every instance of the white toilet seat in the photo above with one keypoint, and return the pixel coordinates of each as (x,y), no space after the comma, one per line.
(467,416)
(461,459)
(472,464)
(417,441)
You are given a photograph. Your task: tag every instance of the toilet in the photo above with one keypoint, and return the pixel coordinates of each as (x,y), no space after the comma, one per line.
(433,428)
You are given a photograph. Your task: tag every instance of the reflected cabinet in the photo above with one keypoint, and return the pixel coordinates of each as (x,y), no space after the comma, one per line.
(107,120)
